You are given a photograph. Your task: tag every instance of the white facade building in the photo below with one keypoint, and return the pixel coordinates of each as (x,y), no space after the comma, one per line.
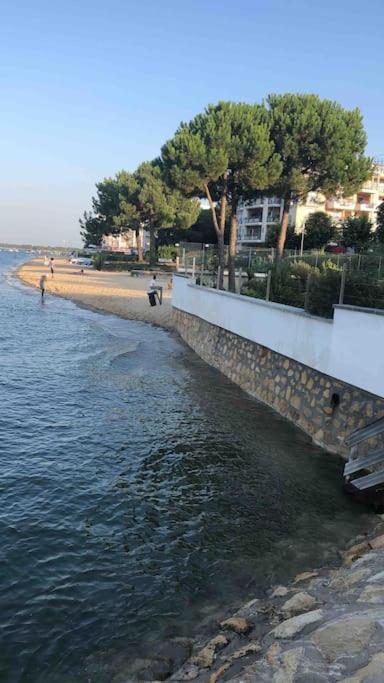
(125,241)
(256,216)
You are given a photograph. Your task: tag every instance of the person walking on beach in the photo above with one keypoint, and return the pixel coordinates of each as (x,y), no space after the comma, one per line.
(42,285)
(51,265)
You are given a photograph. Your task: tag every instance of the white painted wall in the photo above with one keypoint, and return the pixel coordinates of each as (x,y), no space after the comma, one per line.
(349,348)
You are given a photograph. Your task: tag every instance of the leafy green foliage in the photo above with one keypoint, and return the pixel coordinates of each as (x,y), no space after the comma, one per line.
(228,138)
(92,228)
(357,232)
(380,223)
(223,154)
(159,206)
(98,261)
(321,146)
(317,289)
(323,292)
(135,200)
(319,230)
(292,238)
(167,251)
(363,289)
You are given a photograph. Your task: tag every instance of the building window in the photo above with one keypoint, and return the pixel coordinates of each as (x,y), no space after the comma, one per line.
(253,233)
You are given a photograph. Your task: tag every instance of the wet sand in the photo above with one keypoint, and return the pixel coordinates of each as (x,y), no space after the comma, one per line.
(110,292)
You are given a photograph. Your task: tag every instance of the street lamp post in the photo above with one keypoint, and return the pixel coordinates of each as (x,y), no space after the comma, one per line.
(202,263)
(302,240)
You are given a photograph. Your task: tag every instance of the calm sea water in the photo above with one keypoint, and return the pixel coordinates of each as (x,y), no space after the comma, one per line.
(141,493)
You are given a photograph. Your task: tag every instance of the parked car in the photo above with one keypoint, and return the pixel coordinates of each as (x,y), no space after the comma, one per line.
(82,261)
(335,249)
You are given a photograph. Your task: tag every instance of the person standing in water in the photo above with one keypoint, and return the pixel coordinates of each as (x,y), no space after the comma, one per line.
(42,285)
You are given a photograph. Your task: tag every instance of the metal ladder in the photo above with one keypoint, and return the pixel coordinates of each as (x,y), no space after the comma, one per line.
(362,464)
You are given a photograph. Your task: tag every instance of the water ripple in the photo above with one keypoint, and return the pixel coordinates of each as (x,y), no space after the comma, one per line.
(140,492)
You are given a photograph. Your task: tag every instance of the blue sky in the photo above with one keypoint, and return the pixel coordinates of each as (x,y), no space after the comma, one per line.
(89,88)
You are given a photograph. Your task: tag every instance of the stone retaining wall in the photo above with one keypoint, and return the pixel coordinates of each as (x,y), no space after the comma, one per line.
(325,408)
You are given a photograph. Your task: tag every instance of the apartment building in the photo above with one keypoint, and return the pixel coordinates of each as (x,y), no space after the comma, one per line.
(364,203)
(256,216)
(125,241)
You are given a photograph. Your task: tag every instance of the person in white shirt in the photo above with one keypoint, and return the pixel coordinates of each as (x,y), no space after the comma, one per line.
(154,288)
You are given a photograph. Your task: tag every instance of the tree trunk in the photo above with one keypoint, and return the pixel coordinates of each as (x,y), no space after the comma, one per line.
(283,228)
(221,257)
(139,246)
(152,246)
(232,248)
(219,228)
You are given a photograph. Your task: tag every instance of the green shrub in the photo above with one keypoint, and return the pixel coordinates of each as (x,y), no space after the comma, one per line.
(256,287)
(323,291)
(329,264)
(286,286)
(98,261)
(363,289)
(301,270)
(292,240)
(260,264)
(319,230)
(167,251)
(301,285)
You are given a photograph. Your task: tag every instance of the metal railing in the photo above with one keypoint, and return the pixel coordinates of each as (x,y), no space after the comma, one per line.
(364,471)
(315,282)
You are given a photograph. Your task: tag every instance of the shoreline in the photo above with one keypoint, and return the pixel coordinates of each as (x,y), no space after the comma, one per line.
(325,625)
(322,626)
(106,292)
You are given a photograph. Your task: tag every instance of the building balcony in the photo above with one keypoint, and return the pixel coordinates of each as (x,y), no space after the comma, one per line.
(372,186)
(340,204)
(253,219)
(363,206)
(251,238)
(258,201)
(251,233)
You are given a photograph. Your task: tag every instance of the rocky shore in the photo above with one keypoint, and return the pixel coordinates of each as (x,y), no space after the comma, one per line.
(326,626)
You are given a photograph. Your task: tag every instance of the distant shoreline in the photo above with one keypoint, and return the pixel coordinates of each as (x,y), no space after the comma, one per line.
(105,292)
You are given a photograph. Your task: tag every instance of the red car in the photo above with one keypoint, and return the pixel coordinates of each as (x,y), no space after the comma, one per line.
(335,249)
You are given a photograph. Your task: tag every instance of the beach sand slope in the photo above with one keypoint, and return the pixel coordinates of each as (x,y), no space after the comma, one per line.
(110,292)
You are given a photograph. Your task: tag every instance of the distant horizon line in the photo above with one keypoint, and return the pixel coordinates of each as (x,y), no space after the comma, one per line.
(26,245)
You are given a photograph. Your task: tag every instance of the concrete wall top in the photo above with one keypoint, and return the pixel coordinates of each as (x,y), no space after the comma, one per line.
(348,348)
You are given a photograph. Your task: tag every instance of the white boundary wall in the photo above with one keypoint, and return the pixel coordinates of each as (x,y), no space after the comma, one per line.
(349,348)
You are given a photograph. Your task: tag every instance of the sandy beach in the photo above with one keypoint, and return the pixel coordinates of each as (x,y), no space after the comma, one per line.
(110,292)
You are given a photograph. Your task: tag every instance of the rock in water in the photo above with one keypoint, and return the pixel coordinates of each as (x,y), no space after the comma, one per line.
(290,627)
(304,576)
(178,650)
(280,592)
(301,602)
(205,658)
(236,624)
(344,636)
